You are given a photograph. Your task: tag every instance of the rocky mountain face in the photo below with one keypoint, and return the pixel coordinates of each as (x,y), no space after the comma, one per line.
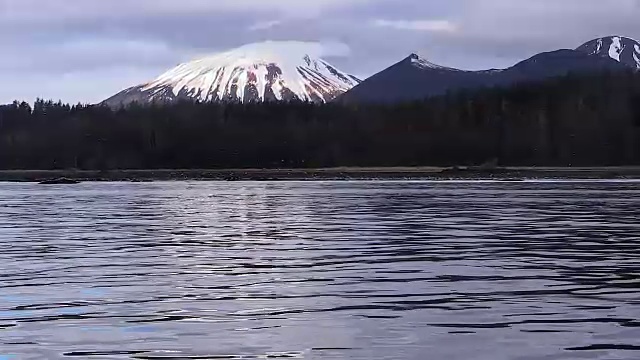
(271,71)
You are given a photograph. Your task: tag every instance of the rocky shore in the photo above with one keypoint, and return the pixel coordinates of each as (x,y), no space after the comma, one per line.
(393,173)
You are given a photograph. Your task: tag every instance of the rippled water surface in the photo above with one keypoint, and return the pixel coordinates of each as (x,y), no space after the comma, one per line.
(320,270)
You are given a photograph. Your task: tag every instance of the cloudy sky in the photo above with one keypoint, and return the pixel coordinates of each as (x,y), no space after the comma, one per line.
(87,50)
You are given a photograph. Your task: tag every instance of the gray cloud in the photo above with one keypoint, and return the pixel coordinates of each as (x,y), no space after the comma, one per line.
(82,50)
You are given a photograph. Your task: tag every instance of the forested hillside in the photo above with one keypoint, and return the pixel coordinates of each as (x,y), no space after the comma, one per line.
(569,121)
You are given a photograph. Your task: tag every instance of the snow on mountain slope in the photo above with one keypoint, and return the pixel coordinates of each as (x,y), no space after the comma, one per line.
(269,71)
(621,49)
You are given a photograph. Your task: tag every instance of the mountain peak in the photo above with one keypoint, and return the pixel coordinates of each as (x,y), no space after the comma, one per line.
(422,63)
(622,49)
(256,72)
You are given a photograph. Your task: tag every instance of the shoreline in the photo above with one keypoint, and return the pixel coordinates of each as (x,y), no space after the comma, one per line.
(343,173)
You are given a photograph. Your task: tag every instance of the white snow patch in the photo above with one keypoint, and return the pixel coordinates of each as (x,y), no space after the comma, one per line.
(241,85)
(637,59)
(616,48)
(261,81)
(598,47)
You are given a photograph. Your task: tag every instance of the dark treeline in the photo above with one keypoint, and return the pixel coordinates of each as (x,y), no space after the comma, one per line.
(569,121)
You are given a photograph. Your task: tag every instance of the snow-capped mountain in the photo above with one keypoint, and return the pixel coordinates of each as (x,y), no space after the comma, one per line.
(621,49)
(269,71)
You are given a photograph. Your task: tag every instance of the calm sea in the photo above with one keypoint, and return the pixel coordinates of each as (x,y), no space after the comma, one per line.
(320,270)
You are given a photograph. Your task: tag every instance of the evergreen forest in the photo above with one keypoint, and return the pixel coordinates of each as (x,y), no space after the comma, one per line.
(575,120)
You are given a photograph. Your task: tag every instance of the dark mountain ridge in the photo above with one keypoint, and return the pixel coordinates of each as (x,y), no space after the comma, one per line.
(416,78)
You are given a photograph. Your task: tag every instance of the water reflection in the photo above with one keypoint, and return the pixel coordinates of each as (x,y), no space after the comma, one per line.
(360,270)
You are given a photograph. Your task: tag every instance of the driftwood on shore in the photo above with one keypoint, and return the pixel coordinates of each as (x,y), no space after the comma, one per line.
(59,181)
